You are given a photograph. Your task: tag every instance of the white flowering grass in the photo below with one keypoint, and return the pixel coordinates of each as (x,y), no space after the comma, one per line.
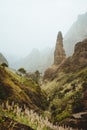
(27,117)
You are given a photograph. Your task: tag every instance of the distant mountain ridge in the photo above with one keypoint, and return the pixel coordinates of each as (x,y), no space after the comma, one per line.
(36,60)
(41,60)
(76,33)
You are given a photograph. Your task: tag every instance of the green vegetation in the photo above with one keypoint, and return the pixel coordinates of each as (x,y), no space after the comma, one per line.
(22,71)
(4,65)
(65,94)
(60,117)
(59,98)
(22,90)
(25,116)
(34,76)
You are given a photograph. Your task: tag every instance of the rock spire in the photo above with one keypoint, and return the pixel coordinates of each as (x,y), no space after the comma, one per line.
(59,53)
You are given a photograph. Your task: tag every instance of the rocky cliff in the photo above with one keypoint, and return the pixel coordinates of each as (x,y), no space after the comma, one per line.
(59,57)
(80,53)
(74,63)
(78,60)
(3,59)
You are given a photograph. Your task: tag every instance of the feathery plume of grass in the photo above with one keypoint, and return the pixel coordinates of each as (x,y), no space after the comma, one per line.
(27,117)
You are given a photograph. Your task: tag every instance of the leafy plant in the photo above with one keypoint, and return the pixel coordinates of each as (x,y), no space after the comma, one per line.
(22,71)
(4,65)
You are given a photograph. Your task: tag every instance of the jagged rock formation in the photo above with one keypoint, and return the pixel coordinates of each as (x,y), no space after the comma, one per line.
(78,59)
(80,53)
(3,59)
(59,54)
(59,57)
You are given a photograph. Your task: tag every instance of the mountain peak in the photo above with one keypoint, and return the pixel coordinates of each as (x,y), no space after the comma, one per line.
(59,39)
(59,54)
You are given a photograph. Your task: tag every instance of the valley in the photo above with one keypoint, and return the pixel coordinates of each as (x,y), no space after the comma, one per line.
(55,101)
(43,65)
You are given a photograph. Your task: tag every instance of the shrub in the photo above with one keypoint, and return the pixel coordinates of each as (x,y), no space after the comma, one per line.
(4,65)
(77,104)
(22,71)
(62,116)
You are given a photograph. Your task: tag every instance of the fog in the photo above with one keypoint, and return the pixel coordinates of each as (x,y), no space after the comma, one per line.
(28,24)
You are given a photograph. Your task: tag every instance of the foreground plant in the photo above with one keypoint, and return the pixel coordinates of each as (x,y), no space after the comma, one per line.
(26,116)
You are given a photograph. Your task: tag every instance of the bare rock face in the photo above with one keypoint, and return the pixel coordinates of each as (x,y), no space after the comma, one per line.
(71,64)
(80,53)
(3,59)
(59,58)
(59,54)
(78,60)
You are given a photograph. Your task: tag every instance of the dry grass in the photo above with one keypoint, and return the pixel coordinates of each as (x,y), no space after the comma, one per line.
(27,117)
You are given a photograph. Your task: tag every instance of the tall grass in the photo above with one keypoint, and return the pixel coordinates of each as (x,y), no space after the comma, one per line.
(26,116)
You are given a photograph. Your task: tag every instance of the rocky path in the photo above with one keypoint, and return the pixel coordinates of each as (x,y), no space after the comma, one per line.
(79,115)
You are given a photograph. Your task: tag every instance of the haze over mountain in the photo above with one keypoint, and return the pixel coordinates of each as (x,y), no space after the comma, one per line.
(57,99)
(29,24)
(76,33)
(41,60)
(36,60)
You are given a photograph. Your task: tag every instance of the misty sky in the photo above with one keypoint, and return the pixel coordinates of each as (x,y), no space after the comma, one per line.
(28,24)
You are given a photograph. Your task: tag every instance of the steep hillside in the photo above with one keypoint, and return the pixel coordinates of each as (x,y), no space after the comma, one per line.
(76,33)
(67,95)
(14,117)
(66,88)
(10,124)
(21,90)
